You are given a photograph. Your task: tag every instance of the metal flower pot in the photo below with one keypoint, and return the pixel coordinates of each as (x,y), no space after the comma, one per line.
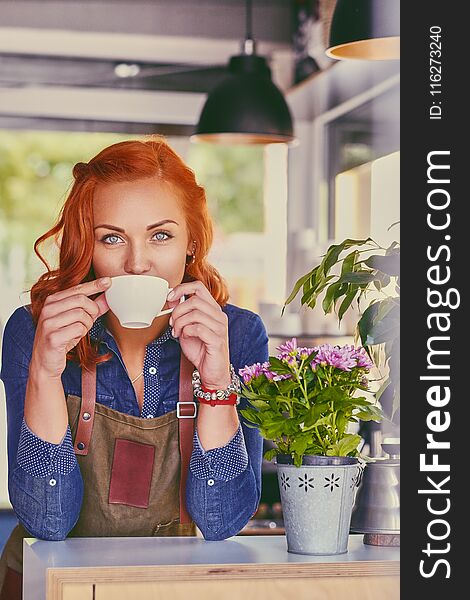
(317,500)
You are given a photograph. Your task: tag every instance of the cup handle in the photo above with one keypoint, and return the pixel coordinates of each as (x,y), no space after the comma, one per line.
(168,310)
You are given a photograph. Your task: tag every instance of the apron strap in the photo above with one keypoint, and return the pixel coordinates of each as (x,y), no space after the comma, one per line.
(186,413)
(87,411)
(185,410)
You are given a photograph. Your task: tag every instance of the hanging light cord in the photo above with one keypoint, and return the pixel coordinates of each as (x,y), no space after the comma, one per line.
(248,29)
(248,45)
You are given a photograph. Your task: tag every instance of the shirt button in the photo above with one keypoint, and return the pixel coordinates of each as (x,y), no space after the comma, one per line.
(152,370)
(210,482)
(52,482)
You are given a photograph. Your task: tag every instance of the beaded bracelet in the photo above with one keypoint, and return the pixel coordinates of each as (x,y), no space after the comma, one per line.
(213,397)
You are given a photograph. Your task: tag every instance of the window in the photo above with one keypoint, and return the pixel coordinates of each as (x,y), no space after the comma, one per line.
(246,190)
(348,139)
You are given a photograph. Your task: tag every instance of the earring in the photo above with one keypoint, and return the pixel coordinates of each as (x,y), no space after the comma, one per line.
(192,256)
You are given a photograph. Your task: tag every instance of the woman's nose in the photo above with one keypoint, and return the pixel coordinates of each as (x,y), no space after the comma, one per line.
(137,261)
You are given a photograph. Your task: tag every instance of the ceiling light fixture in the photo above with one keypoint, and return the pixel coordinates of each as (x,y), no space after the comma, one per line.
(365,30)
(245,107)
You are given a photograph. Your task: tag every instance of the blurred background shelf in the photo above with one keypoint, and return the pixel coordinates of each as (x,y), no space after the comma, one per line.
(263,527)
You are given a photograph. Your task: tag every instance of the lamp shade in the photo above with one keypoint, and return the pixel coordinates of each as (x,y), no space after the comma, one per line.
(245,107)
(365,29)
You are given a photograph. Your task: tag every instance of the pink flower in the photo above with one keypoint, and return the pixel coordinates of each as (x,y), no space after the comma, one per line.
(282,376)
(288,346)
(290,360)
(266,371)
(334,356)
(305,352)
(271,375)
(344,358)
(288,352)
(249,372)
(363,359)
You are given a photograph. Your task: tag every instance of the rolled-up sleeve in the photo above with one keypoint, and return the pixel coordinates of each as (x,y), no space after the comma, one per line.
(224,484)
(41,458)
(223,463)
(44,479)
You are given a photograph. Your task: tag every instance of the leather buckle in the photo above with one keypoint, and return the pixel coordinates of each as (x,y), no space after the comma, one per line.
(193,416)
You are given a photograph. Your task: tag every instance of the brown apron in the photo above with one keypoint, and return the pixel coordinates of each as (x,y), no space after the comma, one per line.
(134,473)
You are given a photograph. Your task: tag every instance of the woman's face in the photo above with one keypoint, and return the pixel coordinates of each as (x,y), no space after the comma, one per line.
(139,229)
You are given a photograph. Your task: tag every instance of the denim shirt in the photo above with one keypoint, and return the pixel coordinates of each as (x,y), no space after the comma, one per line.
(44,479)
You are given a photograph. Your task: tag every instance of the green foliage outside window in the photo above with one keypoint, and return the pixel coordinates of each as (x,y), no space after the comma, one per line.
(233,179)
(35,175)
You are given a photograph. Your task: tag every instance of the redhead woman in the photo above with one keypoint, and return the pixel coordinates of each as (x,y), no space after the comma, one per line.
(129,432)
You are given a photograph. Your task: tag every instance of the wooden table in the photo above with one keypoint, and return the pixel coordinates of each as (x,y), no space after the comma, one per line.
(179,568)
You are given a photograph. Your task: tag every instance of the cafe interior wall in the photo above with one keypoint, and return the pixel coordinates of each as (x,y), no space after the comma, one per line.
(308,230)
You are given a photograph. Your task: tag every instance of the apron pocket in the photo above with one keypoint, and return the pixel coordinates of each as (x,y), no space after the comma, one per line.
(131,474)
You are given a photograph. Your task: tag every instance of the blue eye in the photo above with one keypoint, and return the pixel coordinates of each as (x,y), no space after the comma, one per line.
(111,239)
(165,233)
(106,239)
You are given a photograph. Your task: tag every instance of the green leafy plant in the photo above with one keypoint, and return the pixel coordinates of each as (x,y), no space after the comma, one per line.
(349,272)
(305,398)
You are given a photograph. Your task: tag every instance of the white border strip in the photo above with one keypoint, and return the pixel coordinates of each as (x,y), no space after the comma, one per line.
(131,106)
(120,46)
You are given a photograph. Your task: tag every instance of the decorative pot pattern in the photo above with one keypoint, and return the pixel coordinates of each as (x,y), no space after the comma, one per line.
(317,503)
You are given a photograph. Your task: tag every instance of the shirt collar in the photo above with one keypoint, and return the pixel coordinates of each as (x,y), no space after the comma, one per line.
(98,332)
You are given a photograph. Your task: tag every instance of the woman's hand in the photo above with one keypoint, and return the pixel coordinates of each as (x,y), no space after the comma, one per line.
(65,318)
(202,329)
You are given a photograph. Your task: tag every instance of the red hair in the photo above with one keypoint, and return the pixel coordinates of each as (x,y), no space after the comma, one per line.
(73,231)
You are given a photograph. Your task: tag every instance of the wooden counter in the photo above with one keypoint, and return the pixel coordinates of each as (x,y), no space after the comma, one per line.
(179,568)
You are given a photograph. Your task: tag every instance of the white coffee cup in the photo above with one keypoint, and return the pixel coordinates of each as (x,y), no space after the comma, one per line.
(137,299)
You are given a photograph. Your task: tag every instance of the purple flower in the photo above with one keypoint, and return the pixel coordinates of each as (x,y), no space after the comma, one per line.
(282,376)
(266,371)
(271,375)
(288,347)
(249,372)
(290,360)
(334,356)
(363,359)
(344,358)
(288,352)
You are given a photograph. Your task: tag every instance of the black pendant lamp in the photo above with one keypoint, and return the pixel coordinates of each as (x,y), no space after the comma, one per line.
(365,29)
(245,107)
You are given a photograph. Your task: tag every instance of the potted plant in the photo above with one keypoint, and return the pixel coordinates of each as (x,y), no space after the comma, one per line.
(364,272)
(303,400)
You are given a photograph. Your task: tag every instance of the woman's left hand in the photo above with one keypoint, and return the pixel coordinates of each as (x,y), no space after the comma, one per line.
(202,329)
